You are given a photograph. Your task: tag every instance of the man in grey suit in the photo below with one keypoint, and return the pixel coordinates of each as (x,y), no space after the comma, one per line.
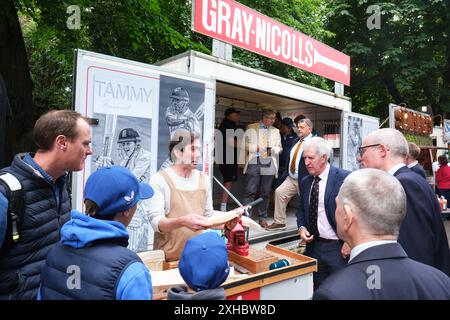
(370,208)
(260,148)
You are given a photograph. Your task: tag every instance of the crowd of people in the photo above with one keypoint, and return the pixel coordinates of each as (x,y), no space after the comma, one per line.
(383,217)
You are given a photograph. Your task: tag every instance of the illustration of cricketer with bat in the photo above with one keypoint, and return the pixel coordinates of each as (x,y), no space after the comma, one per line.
(179,116)
(138,161)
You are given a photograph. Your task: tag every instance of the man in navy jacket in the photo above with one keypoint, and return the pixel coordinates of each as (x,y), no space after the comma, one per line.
(315,218)
(370,208)
(422,232)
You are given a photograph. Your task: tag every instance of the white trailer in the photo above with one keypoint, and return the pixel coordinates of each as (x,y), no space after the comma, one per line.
(250,90)
(121,95)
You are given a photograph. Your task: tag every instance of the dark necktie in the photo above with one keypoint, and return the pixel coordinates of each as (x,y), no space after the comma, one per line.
(313,208)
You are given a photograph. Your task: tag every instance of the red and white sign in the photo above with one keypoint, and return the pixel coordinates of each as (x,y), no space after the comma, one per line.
(232,22)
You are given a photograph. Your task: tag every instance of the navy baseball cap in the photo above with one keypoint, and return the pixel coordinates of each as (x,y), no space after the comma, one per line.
(204,262)
(115,189)
(288,122)
(230,111)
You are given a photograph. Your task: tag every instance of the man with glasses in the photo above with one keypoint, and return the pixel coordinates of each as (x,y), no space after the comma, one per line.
(422,233)
(260,149)
(370,207)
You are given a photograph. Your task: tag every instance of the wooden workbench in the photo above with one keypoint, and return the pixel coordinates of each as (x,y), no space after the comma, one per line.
(293,282)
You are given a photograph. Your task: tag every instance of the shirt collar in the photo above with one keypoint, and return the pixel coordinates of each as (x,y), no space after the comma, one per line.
(395,168)
(324,175)
(364,246)
(412,164)
(262,126)
(28,159)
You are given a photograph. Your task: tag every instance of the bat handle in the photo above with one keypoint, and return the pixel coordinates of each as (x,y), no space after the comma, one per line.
(252,204)
(255,202)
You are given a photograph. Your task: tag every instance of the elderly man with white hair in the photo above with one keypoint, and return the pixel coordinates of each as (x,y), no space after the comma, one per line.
(315,215)
(370,208)
(422,232)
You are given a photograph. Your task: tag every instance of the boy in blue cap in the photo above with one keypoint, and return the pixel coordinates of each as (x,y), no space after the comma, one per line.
(204,267)
(92,260)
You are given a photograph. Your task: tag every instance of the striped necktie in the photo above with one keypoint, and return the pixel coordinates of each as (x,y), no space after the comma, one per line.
(264,154)
(294,157)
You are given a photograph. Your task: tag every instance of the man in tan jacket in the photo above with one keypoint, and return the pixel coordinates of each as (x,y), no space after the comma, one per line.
(260,149)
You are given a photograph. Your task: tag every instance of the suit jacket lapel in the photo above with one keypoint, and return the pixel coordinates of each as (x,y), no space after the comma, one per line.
(403,169)
(309,181)
(330,185)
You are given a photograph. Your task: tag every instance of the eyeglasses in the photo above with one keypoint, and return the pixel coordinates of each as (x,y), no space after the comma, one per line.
(362,148)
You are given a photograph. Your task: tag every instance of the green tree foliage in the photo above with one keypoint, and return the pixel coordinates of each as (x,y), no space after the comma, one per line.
(145,31)
(141,30)
(406,60)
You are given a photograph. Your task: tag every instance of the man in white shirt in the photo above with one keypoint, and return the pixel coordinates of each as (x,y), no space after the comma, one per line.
(297,170)
(182,201)
(370,208)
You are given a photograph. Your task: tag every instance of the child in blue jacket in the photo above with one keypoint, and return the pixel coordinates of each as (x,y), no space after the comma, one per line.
(92,261)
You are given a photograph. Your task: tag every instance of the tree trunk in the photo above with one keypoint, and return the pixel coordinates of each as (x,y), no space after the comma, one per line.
(15,72)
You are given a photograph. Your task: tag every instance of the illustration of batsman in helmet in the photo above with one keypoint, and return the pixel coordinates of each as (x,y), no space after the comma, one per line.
(138,160)
(354,141)
(179,116)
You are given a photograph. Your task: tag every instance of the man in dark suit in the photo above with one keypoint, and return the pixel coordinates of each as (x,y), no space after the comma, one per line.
(411,160)
(288,139)
(315,216)
(370,208)
(422,233)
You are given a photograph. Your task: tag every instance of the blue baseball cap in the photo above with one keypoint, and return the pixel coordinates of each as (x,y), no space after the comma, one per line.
(204,262)
(115,189)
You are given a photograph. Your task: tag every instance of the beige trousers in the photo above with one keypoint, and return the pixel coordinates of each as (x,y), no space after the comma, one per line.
(283,194)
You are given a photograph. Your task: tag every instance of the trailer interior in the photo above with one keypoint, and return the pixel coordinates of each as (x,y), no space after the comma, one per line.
(251,103)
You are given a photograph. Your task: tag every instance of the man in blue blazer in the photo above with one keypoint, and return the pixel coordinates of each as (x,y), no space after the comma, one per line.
(422,233)
(370,208)
(315,216)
